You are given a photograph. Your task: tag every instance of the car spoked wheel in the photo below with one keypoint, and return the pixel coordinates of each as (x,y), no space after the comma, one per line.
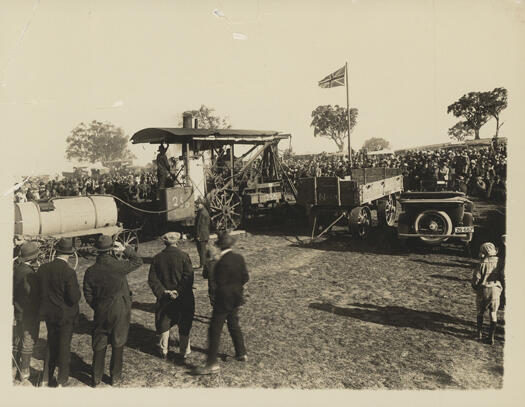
(386,211)
(433,223)
(360,222)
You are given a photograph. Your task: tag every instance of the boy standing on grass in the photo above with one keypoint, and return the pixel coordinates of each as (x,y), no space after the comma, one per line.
(487,282)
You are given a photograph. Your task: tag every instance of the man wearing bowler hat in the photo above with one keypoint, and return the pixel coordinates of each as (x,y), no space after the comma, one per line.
(171,280)
(106,291)
(25,302)
(59,296)
(229,276)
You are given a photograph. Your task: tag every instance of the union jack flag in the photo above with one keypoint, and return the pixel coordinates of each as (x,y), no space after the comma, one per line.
(334,79)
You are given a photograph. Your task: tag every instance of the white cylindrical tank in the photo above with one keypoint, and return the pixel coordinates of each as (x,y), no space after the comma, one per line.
(105,210)
(69,215)
(27,219)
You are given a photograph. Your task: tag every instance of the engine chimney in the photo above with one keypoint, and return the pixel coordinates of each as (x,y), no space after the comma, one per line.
(187,120)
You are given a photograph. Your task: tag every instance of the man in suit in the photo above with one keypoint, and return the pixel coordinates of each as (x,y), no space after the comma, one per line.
(171,280)
(106,291)
(202,231)
(59,296)
(229,276)
(163,166)
(25,302)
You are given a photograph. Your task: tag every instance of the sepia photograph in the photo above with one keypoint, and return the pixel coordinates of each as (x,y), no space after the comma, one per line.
(259,194)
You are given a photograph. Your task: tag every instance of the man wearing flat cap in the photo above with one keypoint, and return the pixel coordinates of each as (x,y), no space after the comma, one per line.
(171,280)
(59,295)
(25,302)
(106,290)
(227,289)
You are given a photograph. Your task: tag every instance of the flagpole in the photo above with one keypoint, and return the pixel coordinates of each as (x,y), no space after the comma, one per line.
(348,113)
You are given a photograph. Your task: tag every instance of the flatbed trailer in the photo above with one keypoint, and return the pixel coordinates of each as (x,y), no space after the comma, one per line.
(332,200)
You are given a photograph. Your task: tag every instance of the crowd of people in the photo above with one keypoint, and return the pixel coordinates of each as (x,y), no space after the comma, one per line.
(478,172)
(128,185)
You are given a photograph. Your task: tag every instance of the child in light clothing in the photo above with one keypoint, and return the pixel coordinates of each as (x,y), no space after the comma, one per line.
(487,282)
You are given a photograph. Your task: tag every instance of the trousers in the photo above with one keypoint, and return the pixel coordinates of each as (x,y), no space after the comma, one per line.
(215,330)
(59,345)
(202,247)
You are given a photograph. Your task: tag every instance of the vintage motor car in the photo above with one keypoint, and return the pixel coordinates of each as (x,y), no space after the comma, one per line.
(435,217)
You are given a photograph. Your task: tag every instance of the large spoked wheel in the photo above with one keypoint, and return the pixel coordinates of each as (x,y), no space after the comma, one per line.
(386,211)
(225,210)
(127,238)
(360,221)
(433,223)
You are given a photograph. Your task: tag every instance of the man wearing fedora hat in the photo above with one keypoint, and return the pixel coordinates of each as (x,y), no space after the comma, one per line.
(227,289)
(163,166)
(171,280)
(25,302)
(59,296)
(106,290)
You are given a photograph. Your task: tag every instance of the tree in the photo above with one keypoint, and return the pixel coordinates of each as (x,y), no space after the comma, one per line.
(472,107)
(207,120)
(460,131)
(376,144)
(332,122)
(495,101)
(98,142)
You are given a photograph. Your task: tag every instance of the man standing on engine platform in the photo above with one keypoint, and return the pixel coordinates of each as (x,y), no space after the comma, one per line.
(106,291)
(163,167)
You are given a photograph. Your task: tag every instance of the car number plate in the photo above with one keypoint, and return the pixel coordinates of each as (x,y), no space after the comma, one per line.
(464,229)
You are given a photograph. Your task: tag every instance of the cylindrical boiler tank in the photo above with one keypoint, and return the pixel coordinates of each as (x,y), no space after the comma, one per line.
(69,215)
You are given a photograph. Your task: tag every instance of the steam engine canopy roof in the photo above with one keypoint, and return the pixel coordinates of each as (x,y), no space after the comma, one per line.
(155,135)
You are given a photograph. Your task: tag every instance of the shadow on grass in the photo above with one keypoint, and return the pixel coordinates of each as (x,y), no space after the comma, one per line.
(465,264)
(402,317)
(451,278)
(144,306)
(82,371)
(377,242)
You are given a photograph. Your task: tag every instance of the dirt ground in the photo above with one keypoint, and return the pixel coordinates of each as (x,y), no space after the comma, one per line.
(338,314)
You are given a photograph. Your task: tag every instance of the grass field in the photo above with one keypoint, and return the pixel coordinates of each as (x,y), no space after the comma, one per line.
(339,314)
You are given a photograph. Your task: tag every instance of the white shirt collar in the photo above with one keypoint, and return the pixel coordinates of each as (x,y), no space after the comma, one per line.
(67,261)
(224,252)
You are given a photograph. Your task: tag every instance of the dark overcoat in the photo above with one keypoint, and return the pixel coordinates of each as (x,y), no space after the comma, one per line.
(227,286)
(202,225)
(106,290)
(25,291)
(59,292)
(171,269)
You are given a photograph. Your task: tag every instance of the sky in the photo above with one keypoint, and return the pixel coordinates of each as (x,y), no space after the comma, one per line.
(140,64)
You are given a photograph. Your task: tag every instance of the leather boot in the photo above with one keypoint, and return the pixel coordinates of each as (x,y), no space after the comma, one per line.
(25,361)
(479,332)
(115,366)
(99,357)
(492,331)
(184,346)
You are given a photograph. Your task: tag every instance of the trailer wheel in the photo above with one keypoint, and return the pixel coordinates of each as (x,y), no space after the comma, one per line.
(386,211)
(360,221)
(433,222)
(127,238)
